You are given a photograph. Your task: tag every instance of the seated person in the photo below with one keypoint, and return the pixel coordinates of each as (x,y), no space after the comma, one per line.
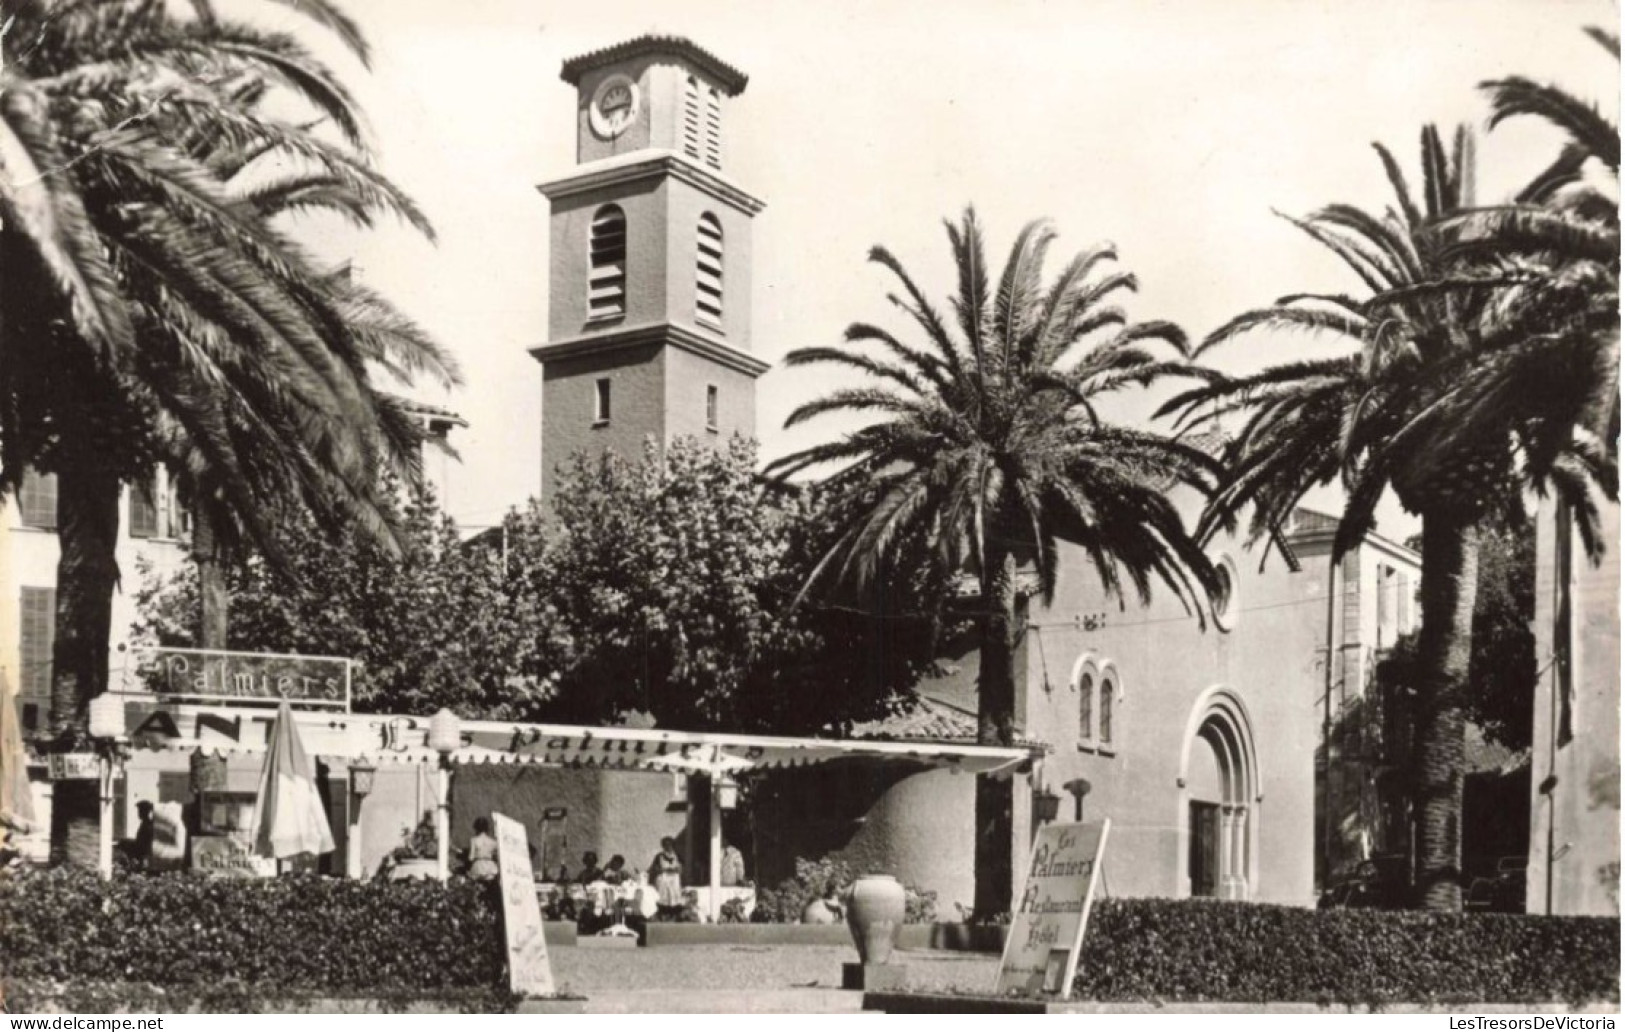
(616,873)
(590,871)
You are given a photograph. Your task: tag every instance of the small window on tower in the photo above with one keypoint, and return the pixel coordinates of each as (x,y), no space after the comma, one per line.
(711,407)
(606,286)
(713,128)
(708,272)
(600,405)
(691,118)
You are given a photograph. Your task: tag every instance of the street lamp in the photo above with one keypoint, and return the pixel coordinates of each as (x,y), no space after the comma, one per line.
(362,774)
(1046,805)
(107,728)
(445,738)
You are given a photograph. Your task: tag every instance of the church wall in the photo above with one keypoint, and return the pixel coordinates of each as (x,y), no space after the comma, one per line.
(687,376)
(684,206)
(644,204)
(637,378)
(1166,663)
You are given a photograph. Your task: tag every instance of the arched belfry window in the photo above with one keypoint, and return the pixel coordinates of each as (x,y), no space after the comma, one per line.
(708,271)
(606,286)
(713,128)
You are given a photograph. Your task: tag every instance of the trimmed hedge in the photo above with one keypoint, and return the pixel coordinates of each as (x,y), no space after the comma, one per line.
(305,934)
(235,941)
(1196,951)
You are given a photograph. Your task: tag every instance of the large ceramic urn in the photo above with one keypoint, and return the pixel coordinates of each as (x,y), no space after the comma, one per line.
(874,912)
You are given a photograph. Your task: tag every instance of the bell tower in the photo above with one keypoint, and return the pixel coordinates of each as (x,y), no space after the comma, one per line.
(649,321)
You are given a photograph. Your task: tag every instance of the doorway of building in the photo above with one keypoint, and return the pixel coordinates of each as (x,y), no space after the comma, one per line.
(1204,840)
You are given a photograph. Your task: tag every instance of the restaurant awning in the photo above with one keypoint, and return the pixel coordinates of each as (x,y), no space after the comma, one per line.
(385,738)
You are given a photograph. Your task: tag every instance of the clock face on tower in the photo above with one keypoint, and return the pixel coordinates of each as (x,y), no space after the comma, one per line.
(614,106)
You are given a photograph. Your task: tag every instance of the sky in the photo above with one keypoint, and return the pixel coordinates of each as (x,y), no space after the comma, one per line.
(1172,129)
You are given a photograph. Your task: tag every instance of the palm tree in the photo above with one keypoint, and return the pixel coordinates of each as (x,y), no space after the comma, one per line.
(1560,240)
(177,325)
(1421,405)
(991,451)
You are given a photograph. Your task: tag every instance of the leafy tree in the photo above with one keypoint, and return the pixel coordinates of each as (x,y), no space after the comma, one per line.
(1422,406)
(152,314)
(1502,667)
(665,586)
(437,623)
(989,450)
(676,577)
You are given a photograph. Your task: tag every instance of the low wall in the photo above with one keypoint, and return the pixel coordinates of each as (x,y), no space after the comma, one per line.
(977,938)
(952,1003)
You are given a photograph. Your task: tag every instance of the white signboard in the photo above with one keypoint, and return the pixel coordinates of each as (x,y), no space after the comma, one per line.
(1046,931)
(529,973)
(73,766)
(225,856)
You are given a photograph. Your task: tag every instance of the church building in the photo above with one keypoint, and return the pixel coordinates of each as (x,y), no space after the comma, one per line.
(1199,743)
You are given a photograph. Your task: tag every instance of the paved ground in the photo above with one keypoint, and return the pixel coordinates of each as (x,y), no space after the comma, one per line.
(800,979)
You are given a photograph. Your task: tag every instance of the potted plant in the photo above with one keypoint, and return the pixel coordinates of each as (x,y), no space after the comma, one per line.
(417,856)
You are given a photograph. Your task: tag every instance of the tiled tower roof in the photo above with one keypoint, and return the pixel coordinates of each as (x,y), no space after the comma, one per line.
(731,78)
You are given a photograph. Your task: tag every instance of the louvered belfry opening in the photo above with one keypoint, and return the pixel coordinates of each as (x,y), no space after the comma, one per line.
(606,293)
(713,128)
(708,271)
(691,118)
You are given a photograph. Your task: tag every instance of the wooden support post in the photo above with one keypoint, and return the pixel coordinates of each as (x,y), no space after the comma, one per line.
(716,848)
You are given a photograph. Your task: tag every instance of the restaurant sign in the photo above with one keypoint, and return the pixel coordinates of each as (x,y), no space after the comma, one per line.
(216,675)
(227,856)
(1046,932)
(529,971)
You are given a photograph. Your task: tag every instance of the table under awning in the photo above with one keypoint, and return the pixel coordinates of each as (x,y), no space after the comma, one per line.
(383,738)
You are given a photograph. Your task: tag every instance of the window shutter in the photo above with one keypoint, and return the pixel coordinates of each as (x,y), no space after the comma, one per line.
(713,129)
(38,636)
(37,500)
(143,511)
(708,271)
(691,119)
(606,287)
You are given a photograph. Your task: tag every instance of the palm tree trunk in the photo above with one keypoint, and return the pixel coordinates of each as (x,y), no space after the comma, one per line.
(86,576)
(214,602)
(996,703)
(1449,591)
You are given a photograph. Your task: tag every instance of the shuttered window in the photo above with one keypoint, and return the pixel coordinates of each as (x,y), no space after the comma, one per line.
(691,118)
(708,271)
(143,510)
(38,634)
(37,500)
(713,129)
(606,289)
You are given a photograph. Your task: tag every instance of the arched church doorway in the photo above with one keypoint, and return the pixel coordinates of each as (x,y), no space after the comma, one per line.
(1220,799)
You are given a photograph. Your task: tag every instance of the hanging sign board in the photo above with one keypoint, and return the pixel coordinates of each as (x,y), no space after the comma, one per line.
(72,766)
(1046,931)
(529,972)
(251,677)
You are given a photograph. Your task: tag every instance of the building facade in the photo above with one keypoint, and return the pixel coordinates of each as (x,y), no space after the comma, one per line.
(1574,775)
(1200,743)
(152,530)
